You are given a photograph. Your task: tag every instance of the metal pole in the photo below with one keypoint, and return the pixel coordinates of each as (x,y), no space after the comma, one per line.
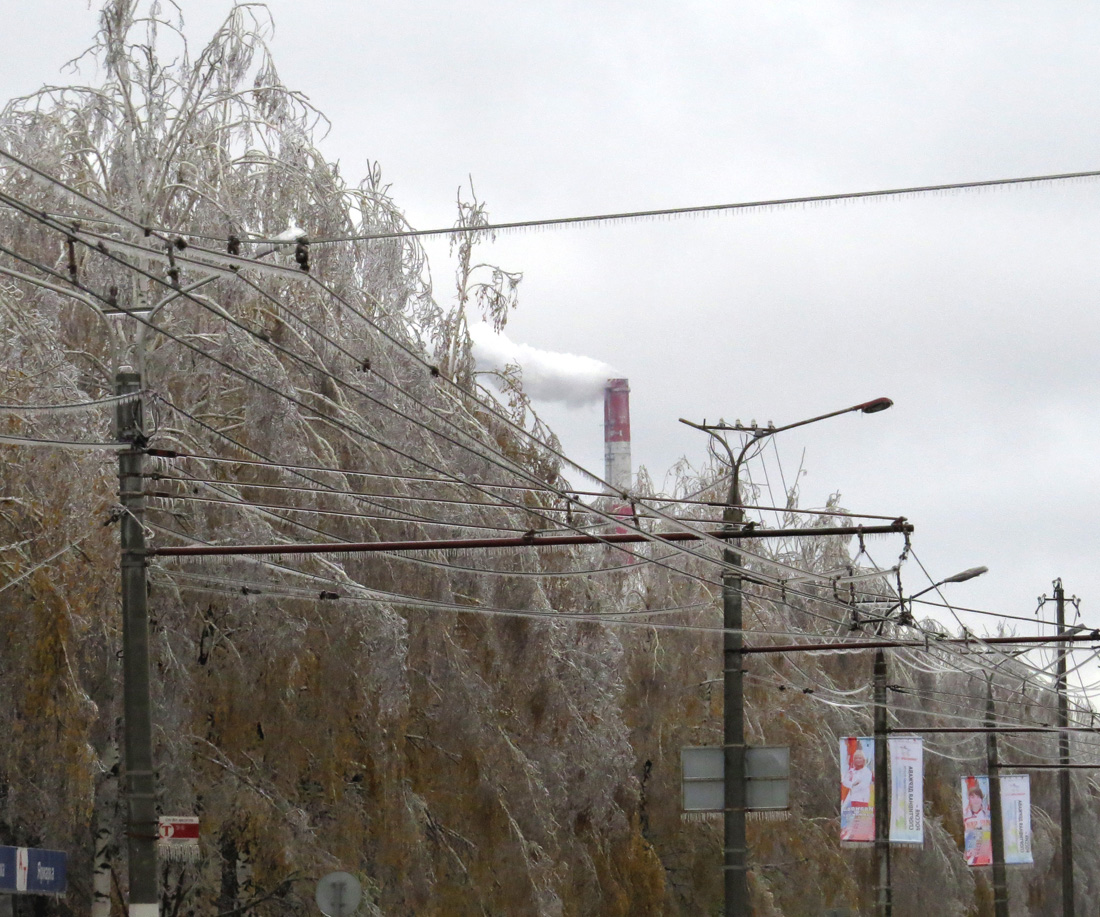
(140,789)
(735,859)
(523,541)
(1063,758)
(735,846)
(1000,885)
(884,898)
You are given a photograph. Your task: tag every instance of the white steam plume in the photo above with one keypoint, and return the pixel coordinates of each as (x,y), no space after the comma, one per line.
(548,376)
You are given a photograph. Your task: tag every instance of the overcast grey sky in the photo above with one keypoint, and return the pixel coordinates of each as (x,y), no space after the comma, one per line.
(975,312)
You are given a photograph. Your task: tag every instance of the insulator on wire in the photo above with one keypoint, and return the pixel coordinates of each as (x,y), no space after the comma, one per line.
(70,244)
(301,253)
(233,246)
(173,271)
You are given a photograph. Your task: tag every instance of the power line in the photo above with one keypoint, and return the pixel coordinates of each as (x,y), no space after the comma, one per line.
(232,266)
(241,373)
(72,408)
(774,203)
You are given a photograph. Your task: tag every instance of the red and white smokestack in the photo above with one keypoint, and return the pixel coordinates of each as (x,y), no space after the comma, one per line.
(616,435)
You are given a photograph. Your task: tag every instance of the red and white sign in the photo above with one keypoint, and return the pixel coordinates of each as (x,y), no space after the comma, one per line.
(179,837)
(179,828)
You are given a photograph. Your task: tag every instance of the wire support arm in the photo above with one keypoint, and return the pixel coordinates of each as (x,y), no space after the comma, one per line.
(523,541)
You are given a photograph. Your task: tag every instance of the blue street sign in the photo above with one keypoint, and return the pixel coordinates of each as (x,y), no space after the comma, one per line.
(28,870)
(7,869)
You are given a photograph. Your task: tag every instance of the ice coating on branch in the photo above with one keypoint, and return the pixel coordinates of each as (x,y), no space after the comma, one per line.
(547,375)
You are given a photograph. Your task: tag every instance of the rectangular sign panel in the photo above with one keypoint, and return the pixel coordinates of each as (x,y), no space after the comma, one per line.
(7,869)
(184,828)
(906,789)
(857,790)
(28,870)
(46,872)
(767,771)
(767,778)
(1016,818)
(977,824)
(702,783)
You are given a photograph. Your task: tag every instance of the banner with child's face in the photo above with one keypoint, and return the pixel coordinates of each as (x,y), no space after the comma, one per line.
(857,790)
(977,825)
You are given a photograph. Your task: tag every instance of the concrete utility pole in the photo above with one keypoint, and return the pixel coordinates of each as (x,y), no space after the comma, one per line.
(140,788)
(884,892)
(735,860)
(1000,885)
(1066,801)
(884,896)
(735,857)
(1063,759)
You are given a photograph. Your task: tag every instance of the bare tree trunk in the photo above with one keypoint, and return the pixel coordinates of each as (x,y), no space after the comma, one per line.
(246,885)
(105,812)
(228,896)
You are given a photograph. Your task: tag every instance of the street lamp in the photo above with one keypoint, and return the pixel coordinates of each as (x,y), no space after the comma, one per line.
(957,578)
(906,617)
(735,855)
(884,897)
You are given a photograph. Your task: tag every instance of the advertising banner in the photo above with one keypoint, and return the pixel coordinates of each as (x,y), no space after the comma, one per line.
(857,790)
(906,789)
(977,825)
(1016,818)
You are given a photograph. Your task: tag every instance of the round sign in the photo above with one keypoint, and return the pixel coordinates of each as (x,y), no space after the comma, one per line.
(338,894)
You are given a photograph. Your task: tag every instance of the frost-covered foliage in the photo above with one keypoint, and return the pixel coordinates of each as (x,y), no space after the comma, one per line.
(457,764)
(344,712)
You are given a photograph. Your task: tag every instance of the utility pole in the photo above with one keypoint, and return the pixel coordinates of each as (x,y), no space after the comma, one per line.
(993,767)
(735,859)
(1063,759)
(735,846)
(884,896)
(1065,797)
(140,789)
(884,891)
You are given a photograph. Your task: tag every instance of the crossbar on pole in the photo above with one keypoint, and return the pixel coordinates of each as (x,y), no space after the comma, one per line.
(521,541)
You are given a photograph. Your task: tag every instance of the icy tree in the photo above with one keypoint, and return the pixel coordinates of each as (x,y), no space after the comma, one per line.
(441,724)
(316,714)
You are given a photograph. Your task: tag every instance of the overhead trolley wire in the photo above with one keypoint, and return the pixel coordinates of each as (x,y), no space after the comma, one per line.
(581,507)
(738,206)
(481,404)
(639,558)
(235,264)
(907,190)
(336,421)
(371,594)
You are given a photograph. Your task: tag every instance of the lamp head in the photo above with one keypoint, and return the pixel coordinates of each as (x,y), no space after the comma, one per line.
(873,407)
(967,574)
